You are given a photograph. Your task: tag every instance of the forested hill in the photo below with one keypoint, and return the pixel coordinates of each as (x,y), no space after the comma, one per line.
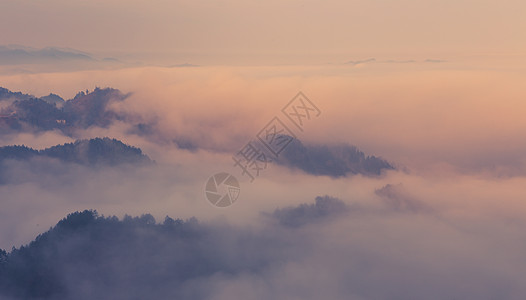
(97,151)
(25,113)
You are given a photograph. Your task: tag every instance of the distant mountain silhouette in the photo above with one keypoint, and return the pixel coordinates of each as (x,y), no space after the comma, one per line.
(14,55)
(332,160)
(54,99)
(93,152)
(7,95)
(324,207)
(27,113)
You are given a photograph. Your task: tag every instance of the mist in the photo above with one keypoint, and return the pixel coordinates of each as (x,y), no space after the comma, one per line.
(449,206)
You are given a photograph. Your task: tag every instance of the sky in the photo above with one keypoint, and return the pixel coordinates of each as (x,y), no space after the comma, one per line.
(269,32)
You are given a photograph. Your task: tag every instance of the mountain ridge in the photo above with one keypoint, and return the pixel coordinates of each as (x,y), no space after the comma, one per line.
(25,112)
(90,152)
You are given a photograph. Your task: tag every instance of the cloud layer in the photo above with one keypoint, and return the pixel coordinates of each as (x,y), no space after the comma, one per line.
(323,249)
(452,208)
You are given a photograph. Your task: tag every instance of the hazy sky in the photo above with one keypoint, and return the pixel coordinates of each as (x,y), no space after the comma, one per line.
(279,31)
